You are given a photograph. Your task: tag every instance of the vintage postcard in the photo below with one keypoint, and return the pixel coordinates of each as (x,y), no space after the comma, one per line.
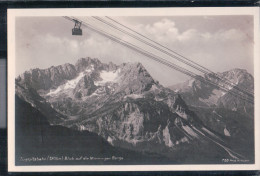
(133,89)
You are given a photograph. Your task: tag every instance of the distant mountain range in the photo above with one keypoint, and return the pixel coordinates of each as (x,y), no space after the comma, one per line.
(126,108)
(198,92)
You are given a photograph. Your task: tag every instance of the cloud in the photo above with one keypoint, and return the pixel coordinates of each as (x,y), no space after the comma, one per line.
(231,35)
(187,35)
(166,31)
(218,50)
(214,50)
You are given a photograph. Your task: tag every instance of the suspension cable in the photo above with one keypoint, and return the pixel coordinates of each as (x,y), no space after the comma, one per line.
(160,60)
(188,61)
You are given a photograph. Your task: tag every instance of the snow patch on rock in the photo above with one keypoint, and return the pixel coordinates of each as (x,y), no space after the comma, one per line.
(82,128)
(70,84)
(190,131)
(167,137)
(226,132)
(134,96)
(110,140)
(108,76)
(154,87)
(182,140)
(182,114)
(55,91)
(158,99)
(217,114)
(190,83)
(210,133)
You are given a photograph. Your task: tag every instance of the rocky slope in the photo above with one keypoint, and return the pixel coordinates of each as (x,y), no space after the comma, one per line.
(127,107)
(35,137)
(224,112)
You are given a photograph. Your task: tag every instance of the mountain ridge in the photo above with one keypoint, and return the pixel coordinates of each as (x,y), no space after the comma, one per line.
(197,92)
(125,106)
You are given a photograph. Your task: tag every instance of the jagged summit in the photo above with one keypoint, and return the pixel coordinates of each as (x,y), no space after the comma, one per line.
(55,76)
(237,70)
(240,77)
(88,62)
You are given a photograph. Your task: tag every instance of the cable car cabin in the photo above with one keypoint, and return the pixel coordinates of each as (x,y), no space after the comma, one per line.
(76,30)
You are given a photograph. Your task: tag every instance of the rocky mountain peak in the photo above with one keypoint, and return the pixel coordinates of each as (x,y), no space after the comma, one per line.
(47,78)
(238,76)
(237,71)
(135,78)
(88,62)
(200,92)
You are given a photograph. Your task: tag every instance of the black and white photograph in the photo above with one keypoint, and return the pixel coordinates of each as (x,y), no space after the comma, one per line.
(159,89)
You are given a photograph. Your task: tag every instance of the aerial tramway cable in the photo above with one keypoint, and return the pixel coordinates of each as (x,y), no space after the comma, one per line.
(202,67)
(170,55)
(188,62)
(156,58)
(127,44)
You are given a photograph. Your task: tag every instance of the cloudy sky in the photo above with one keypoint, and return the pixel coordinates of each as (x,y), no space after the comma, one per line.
(219,43)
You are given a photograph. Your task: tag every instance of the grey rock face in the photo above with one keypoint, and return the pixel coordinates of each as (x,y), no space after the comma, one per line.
(134,79)
(47,78)
(84,87)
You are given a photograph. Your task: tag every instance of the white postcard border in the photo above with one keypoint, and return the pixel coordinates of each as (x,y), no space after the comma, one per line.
(202,11)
